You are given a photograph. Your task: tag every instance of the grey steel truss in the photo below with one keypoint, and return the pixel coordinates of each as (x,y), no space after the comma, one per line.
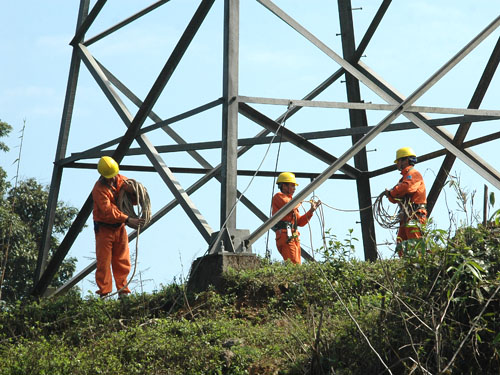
(233,105)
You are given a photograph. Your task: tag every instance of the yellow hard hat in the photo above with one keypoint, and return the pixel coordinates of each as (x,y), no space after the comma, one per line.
(107,167)
(404,152)
(287,177)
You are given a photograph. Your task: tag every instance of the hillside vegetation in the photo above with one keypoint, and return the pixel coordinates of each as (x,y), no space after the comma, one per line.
(433,312)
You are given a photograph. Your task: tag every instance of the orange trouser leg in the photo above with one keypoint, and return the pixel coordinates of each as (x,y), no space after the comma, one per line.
(103,249)
(120,259)
(408,231)
(112,250)
(288,249)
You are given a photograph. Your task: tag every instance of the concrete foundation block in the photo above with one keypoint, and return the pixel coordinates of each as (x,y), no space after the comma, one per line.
(208,270)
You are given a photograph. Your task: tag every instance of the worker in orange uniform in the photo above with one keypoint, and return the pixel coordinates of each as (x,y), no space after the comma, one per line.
(287,235)
(112,248)
(409,193)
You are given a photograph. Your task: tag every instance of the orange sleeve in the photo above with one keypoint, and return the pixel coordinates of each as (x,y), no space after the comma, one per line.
(105,209)
(304,219)
(408,185)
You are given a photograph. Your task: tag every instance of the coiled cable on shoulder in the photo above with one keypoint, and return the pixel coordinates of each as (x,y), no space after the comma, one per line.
(126,202)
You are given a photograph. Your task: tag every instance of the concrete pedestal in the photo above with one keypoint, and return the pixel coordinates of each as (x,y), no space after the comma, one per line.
(208,270)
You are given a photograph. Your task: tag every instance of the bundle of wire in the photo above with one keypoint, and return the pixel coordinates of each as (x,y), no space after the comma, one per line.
(382,216)
(126,203)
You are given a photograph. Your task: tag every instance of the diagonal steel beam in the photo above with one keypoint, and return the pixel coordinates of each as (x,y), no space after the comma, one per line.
(438,153)
(474,162)
(370,31)
(463,129)
(379,128)
(87,22)
(127,140)
(151,152)
(293,138)
(164,76)
(125,22)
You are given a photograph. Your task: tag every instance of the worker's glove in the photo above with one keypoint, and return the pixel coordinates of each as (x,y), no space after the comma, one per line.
(387,193)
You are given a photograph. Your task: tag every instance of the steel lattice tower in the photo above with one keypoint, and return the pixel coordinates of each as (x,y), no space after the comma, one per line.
(234,105)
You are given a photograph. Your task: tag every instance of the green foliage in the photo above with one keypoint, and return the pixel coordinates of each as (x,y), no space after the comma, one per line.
(5,129)
(22,212)
(336,249)
(432,311)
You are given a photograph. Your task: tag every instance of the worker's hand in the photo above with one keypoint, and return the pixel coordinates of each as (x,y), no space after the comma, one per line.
(387,193)
(134,223)
(314,205)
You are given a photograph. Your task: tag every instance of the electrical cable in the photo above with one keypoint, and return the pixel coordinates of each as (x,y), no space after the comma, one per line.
(282,123)
(383,217)
(223,226)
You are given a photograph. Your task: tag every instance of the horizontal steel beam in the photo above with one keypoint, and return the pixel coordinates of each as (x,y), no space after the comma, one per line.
(241,172)
(97,152)
(368,106)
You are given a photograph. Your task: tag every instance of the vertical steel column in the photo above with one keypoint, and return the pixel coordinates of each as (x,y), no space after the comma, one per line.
(62,143)
(230,114)
(357,119)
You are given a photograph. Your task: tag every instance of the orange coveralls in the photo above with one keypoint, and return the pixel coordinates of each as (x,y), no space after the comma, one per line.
(289,248)
(111,237)
(410,191)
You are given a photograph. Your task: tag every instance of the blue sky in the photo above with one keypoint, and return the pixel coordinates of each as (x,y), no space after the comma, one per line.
(413,41)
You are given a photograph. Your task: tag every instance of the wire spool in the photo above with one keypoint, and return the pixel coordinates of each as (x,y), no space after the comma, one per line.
(126,203)
(382,216)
